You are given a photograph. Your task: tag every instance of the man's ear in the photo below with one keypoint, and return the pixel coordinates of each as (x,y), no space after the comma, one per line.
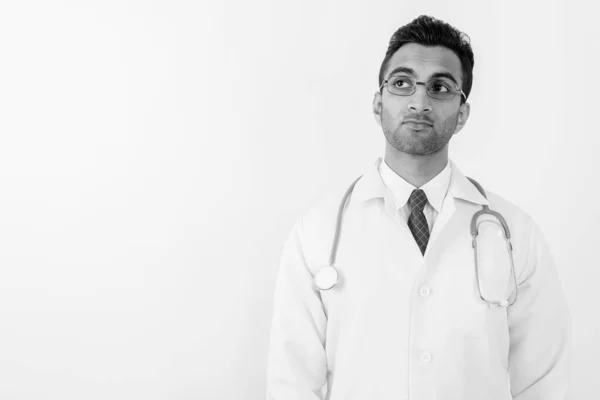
(463,116)
(377,106)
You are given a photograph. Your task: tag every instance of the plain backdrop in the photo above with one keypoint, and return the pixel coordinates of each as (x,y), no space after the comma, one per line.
(155,154)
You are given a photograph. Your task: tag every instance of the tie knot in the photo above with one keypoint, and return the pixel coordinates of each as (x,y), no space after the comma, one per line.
(417,200)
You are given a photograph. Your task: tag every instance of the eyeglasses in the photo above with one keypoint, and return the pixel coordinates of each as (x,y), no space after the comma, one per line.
(438,88)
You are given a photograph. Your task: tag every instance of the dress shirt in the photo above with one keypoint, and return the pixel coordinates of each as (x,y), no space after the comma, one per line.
(435,190)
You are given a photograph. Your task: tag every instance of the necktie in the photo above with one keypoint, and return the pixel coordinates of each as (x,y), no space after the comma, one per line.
(416,221)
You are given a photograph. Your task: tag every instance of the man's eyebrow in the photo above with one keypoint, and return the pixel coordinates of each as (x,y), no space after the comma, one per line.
(411,71)
(406,70)
(444,75)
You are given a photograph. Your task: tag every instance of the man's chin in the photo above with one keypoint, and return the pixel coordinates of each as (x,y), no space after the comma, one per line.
(420,149)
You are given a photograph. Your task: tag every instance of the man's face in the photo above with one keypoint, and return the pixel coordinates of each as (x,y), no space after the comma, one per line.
(418,124)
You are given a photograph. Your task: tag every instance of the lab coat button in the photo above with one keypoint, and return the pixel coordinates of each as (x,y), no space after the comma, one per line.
(425,291)
(426,357)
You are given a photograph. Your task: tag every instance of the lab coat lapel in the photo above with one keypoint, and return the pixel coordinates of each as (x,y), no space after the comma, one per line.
(454,227)
(460,189)
(407,236)
(461,202)
(448,209)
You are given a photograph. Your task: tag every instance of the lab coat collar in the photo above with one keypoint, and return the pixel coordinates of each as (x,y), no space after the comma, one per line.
(462,188)
(371,186)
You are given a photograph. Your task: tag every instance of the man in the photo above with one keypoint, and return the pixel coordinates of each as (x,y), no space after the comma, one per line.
(410,316)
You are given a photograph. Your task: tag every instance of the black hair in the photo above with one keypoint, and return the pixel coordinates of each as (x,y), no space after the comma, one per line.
(428,31)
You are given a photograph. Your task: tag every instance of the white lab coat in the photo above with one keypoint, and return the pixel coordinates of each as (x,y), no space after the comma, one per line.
(400,325)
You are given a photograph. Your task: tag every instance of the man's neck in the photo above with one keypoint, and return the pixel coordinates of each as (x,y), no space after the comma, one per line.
(416,169)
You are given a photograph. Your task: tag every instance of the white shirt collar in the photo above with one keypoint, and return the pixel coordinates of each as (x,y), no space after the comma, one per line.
(435,189)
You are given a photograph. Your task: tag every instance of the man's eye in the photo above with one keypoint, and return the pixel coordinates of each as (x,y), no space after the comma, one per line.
(401,83)
(440,87)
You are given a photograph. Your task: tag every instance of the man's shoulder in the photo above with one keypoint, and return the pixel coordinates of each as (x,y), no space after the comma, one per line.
(315,226)
(326,205)
(498,201)
(519,220)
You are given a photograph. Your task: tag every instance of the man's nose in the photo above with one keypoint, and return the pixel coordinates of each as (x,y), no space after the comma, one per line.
(419,100)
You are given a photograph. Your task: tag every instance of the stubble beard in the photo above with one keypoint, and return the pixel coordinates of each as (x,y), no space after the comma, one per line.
(417,143)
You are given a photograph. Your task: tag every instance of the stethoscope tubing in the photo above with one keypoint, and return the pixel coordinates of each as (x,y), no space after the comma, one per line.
(338,225)
(474,232)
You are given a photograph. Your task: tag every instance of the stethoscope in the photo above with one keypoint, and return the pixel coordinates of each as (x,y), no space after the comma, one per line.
(327,277)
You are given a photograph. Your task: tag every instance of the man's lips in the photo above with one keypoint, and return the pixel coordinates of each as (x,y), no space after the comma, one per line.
(417,122)
(418,125)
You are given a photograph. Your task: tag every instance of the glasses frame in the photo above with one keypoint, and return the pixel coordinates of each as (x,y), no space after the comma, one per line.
(415,89)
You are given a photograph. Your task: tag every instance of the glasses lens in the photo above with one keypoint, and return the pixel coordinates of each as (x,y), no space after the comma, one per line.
(401,85)
(404,85)
(493,262)
(442,89)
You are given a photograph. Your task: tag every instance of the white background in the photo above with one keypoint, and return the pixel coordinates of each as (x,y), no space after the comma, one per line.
(155,154)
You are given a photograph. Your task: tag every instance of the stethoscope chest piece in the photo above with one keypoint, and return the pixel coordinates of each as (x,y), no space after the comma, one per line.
(326,278)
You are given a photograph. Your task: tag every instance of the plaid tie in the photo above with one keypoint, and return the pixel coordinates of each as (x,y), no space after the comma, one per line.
(416,221)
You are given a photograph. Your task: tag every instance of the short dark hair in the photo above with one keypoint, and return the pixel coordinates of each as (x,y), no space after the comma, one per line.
(428,31)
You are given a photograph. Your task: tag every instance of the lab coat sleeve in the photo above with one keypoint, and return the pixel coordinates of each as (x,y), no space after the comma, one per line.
(297,365)
(540,328)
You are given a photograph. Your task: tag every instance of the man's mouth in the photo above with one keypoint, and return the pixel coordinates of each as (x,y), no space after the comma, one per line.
(418,125)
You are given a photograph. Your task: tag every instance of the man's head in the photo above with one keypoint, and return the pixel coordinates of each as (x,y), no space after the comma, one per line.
(436,61)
